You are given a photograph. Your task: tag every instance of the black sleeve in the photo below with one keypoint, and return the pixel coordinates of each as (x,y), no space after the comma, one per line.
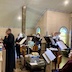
(10,39)
(5,42)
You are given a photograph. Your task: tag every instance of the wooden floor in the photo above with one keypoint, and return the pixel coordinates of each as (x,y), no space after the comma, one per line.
(19,65)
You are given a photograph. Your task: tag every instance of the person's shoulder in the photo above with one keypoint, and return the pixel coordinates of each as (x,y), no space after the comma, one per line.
(5,38)
(11,35)
(70,62)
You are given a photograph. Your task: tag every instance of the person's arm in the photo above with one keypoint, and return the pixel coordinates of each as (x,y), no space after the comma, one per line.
(5,40)
(16,42)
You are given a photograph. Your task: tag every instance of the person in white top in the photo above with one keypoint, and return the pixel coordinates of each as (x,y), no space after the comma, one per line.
(56,36)
(30,45)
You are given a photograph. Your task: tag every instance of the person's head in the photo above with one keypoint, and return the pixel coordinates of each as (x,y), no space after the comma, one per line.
(21,35)
(58,33)
(30,39)
(38,35)
(8,31)
(55,34)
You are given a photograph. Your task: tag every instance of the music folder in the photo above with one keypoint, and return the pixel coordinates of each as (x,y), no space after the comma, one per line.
(48,56)
(47,39)
(22,41)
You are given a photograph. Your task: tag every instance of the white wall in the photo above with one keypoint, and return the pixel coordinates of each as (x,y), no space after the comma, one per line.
(15,31)
(52,21)
(30,31)
(55,20)
(42,23)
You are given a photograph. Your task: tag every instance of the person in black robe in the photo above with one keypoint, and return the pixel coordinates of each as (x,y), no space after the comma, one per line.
(10,51)
(18,47)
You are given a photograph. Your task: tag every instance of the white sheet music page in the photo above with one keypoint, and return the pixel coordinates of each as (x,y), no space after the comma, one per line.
(53,49)
(22,41)
(50,55)
(61,45)
(33,64)
(47,60)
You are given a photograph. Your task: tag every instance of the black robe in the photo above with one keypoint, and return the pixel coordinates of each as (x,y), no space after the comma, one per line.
(18,47)
(10,53)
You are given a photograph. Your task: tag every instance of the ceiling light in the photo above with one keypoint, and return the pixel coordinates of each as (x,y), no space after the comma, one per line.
(24,7)
(19,18)
(66,2)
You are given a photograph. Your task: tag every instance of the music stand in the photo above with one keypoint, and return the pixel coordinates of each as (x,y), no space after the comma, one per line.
(48,41)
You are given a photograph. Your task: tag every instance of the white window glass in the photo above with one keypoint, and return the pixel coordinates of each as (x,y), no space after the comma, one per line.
(63,35)
(38,30)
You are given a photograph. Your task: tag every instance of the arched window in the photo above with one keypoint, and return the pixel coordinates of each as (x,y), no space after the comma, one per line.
(38,30)
(63,35)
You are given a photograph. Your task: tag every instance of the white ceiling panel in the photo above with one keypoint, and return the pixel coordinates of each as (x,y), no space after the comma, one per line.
(11,9)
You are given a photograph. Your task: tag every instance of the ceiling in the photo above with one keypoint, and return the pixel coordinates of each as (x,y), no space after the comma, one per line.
(11,9)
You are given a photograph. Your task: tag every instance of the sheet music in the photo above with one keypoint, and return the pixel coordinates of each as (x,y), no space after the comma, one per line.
(22,41)
(34,63)
(53,49)
(61,45)
(50,55)
(47,60)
